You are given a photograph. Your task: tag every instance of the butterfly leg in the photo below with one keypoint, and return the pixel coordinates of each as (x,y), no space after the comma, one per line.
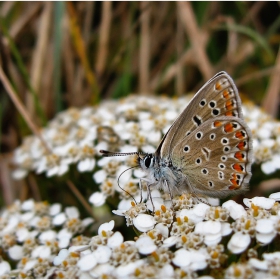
(150,195)
(148,190)
(141,189)
(170,193)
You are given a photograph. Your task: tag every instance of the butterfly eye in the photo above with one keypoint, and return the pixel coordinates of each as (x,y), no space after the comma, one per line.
(148,161)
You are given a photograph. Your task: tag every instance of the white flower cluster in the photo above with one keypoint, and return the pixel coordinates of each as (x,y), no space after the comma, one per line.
(183,242)
(131,124)
(32,233)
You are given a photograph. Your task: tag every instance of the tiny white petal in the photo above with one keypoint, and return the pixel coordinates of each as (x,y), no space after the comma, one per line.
(226,229)
(19,174)
(123,271)
(144,222)
(28,205)
(87,262)
(47,236)
(235,210)
(199,210)
(5,267)
(52,171)
(170,241)
(182,258)
(275,196)
(55,209)
(265,226)
(239,242)
(26,217)
(263,202)
(87,221)
(212,239)
(64,237)
(30,264)
(62,255)
(167,272)
(43,252)
(16,252)
(72,212)
(268,167)
(59,219)
(157,201)
(271,256)
(265,238)
(208,227)
(22,234)
(99,176)
(257,264)
(119,212)
(145,245)
(101,269)
(102,254)
(115,240)
(97,199)
(106,227)
(86,165)
(164,230)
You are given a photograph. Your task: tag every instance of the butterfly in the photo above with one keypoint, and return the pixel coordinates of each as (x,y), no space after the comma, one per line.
(208,148)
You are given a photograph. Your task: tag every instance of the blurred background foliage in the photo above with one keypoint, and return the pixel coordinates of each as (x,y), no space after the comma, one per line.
(58,55)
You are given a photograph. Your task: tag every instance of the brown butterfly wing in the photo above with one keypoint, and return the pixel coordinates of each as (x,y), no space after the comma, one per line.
(218,97)
(216,157)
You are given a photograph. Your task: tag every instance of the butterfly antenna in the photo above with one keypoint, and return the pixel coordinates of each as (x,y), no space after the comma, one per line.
(124,189)
(113,154)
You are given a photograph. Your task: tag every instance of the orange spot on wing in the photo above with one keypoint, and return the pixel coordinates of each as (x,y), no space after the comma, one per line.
(239,135)
(234,182)
(226,94)
(238,167)
(217,123)
(229,114)
(241,145)
(228,127)
(229,105)
(218,86)
(239,156)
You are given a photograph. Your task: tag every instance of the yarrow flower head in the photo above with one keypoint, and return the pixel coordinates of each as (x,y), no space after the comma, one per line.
(175,238)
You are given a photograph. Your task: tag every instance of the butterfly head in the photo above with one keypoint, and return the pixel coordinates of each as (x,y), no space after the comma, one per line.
(146,161)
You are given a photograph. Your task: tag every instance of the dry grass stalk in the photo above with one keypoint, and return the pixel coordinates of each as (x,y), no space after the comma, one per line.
(39,55)
(104,33)
(187,17)
(26,17)
(20,107)
(271,99)
(76,192)
(179,48)
(144,56)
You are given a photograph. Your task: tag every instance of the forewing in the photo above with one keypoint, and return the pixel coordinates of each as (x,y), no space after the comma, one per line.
(218,97)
